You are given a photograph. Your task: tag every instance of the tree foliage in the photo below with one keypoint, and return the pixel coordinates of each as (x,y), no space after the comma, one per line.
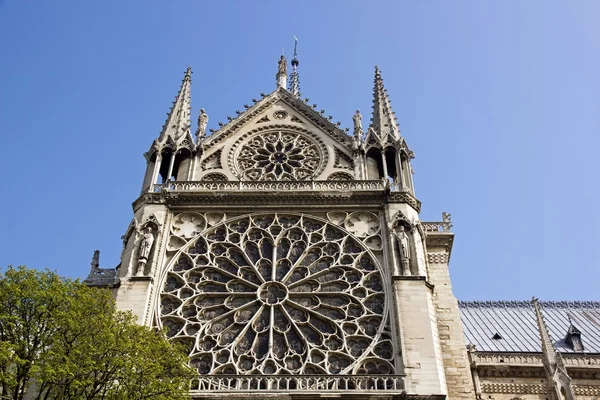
(60,339)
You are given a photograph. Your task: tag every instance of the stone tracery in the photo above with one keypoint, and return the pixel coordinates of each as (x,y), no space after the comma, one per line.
(278,294)
(279,156)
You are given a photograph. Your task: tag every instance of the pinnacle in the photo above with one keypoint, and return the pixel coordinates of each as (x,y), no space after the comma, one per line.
(178,118)
(383,119)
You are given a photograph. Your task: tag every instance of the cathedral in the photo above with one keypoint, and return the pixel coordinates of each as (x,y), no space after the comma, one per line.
(288,257)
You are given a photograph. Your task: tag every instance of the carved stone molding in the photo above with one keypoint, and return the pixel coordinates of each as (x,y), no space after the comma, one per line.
(584,374)
(582,360)
(511,372)
(405,197)
(438,258)
(514,388)
(587,390)
(507,358)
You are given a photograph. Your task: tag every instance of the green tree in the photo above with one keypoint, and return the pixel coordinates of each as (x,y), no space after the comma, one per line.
(60,339)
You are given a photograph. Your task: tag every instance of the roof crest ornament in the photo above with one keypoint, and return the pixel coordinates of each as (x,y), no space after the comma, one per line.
(294,86)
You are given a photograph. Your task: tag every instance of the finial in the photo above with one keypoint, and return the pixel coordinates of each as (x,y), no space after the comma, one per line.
(295,61)
(294,86)
(188,72)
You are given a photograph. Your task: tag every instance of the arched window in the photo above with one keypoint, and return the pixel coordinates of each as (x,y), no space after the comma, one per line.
(374,164)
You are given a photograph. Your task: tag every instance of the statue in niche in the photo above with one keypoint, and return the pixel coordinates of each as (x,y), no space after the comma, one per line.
(144,251)
(404,246)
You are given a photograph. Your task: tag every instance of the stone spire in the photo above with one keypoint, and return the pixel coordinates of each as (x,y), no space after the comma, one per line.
(383,120)
(179,117)
(294,87)
(556,372)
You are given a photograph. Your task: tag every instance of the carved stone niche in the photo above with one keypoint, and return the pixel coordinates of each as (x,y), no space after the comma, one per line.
(402,242)
(146,237)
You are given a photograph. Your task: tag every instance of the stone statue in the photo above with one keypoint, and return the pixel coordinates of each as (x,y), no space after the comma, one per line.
(357,118)
(282,66)
(202,122)
(146,244)
(403,245)
(355,144)
(447,221)
(144,251)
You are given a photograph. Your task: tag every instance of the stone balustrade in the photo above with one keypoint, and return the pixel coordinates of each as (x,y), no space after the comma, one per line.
(299,383)
(260,186)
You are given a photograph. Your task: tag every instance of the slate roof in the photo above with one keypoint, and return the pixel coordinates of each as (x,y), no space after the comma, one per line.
(515,322)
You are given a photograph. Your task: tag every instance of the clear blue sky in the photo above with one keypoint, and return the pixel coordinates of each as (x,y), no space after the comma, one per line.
(498,99)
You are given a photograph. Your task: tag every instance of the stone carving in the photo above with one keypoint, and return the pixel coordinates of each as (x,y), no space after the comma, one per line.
(511,388)
(146,244)
(447,221)
(357,119)
(343,161)
(279,156)
(340,176)
(144,250)
(280,114)
(282,66)
(202,123)
(187,225)
(278,294)
(214,177)
(296,120)
(102,277)
(213,161)
(362,224)
(404,246)
(438,258)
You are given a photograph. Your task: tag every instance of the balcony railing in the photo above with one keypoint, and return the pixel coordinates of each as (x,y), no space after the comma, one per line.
(299,383)
(259,186)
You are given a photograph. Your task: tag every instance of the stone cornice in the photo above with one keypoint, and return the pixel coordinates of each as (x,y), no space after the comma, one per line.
(522,365)
(274,193)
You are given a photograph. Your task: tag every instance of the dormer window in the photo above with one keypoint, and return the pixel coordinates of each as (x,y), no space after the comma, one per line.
(573,339)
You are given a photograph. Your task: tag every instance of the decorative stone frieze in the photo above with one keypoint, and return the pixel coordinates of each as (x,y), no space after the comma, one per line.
(438,258)
(514,388)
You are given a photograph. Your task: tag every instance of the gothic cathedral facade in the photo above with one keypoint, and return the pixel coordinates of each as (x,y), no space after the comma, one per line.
(288,257)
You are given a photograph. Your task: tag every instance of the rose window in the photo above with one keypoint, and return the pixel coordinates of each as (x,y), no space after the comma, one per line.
(278,294)
(279,156)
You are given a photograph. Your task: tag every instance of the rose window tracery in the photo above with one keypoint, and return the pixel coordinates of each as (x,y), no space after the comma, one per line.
(278,294)
(280,156)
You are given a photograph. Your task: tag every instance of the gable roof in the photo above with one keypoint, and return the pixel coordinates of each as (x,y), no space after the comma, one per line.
(515,322)
(280,94)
